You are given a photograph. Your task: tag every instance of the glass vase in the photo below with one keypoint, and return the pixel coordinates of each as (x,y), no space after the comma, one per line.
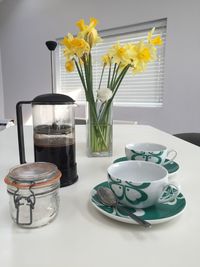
(99,131)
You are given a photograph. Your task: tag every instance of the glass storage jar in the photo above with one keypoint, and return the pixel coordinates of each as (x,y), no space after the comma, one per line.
(33,190)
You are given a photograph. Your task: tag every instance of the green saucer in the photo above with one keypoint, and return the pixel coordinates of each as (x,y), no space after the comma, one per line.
(155,214)
(171,167)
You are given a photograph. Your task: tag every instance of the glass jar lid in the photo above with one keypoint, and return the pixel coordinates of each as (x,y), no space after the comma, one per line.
(36,174)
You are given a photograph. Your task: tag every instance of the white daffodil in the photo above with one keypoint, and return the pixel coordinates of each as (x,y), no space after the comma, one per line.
(104,94)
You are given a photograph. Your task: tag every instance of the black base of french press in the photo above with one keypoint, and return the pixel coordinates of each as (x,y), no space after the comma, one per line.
(69,177)
(69,181)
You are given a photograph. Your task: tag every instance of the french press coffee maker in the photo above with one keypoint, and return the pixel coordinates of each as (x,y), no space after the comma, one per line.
(53,133)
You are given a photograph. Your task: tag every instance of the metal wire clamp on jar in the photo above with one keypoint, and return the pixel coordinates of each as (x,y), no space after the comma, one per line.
(33,190)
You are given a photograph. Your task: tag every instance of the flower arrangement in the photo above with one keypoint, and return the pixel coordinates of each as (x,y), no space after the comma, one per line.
(119,60)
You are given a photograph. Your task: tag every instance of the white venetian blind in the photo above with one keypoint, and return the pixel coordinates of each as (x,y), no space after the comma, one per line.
(144,89)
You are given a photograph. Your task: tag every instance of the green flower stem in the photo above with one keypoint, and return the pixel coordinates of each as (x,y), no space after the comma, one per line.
(99,127)
(81,76)
(113,75)
(101,76)
(90,98)
(121,75)
(90,71)
(104,111)
(115,88)
(88,76)
(88,90)
(109,73)
(100,110)
(80,72)
(117,84)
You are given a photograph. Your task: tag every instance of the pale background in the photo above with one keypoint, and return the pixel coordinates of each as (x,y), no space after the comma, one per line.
(25,25)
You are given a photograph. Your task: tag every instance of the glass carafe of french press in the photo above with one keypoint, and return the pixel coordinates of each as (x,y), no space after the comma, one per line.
(53,133)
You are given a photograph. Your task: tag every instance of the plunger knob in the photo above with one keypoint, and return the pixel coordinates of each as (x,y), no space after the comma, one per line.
(51,45)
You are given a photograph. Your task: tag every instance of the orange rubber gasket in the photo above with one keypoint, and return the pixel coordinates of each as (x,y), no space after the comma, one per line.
(36,185)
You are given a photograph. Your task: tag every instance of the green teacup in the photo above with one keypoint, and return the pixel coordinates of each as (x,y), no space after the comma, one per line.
(150,152)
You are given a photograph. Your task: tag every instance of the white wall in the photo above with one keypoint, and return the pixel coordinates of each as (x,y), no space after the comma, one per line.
(1,92)
(25,25)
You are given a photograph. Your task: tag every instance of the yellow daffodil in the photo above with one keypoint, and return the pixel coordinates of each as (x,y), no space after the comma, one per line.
(119,54)
(139,67)
(69,66)
(83,27)
(74,46)
(88,32)
(106,59)
(131,52)
(156,40)
(81,24)
(150,34)
(79,46)
(68,53)
(144,53)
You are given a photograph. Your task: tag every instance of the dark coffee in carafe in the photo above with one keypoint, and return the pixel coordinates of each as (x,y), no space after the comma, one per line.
(56,144)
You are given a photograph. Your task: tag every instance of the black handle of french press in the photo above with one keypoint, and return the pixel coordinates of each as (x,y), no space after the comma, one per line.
(20,130)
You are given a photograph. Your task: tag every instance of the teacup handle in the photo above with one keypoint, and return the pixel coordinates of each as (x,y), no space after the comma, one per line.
(173,157)
(169,193)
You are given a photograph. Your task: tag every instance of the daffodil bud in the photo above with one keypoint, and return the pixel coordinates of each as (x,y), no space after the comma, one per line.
(104,94)
(69,65)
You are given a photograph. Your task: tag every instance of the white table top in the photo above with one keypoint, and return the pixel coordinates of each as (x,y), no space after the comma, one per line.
(81,236)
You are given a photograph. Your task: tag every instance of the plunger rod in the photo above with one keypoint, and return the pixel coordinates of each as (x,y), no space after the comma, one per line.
(51,45)
(52,76)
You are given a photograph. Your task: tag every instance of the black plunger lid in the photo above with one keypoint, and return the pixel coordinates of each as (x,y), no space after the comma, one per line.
(52,99)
